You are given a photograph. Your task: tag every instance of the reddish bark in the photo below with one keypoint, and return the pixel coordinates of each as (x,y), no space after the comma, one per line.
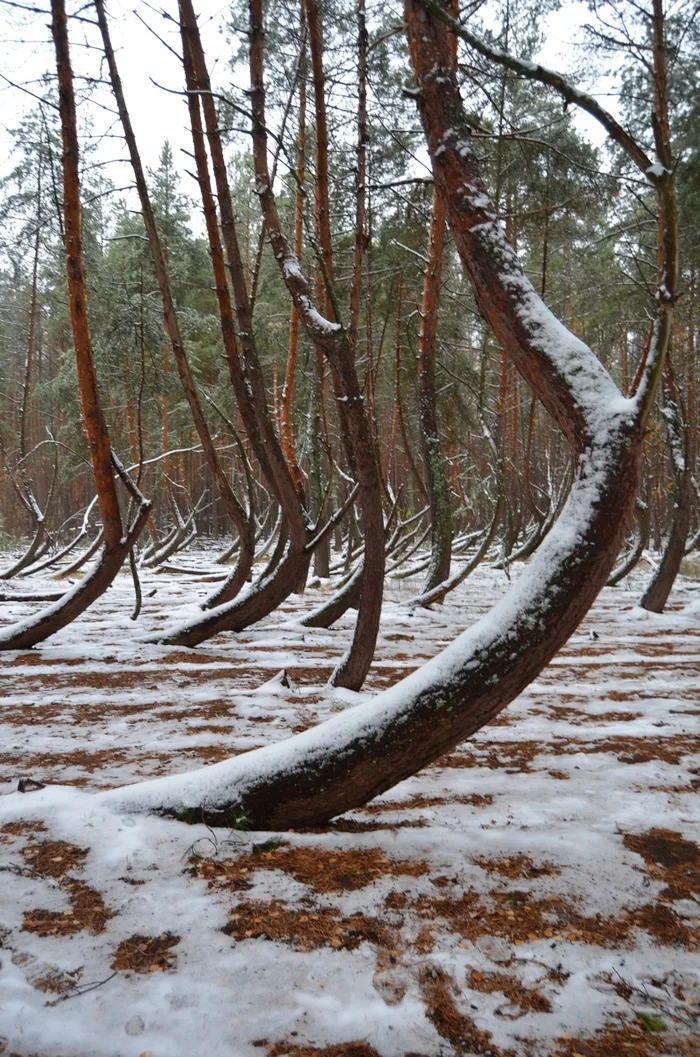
(91,408)
(333,340)
(353,757)
(234,508)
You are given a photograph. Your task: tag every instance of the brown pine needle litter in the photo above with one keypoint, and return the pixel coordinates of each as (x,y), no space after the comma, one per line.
(146,954)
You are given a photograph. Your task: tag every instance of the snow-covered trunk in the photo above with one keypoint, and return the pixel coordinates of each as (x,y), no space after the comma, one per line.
(27,633)
(347,760)
(32,552)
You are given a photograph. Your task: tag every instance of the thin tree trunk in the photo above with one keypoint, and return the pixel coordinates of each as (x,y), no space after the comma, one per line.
(287,402)
(333,340)
(434,459)
(116,545)
(433,455)
(656,595)
(632,559)
(233,507)
(91,408)
(31,333)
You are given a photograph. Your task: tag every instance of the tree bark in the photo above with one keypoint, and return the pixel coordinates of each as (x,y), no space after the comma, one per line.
(91,408)
(333,340)
(657,593)
(116,545)
(354,756)
(433,455)
(434,459)
(287,401)
(243,524)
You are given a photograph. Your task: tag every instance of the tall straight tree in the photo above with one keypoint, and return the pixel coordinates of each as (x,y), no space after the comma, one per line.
(433,455)
(333,340)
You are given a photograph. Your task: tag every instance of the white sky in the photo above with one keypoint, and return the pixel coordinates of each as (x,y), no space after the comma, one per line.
(27,52)
(141,58)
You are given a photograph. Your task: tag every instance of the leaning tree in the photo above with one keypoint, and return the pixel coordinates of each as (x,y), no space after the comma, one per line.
(354,756)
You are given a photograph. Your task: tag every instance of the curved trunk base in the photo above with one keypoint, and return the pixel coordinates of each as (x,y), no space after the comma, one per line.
(344,762)
(656,595)
(30,632)
(261,599)
(30,555)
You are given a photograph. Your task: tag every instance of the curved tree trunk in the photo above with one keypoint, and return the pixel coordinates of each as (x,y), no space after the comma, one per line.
(628,564)
(438,593)
(116,546)
(334,341)
(356,755)
(81,559)
(37,628)
(58,555)
(32,552)
(656,595)
(348,597)
(243,524)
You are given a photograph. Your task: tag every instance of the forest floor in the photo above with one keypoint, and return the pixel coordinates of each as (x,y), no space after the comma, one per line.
(534,893)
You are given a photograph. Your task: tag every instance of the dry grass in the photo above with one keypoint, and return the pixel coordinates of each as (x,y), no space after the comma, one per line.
(146,954)
(527,999)
(53,859)
(56,982)
(47,762)
(518,866)
(671,858)
(419,801)
(21,828)
(216,709)
(618,1040)
(515,757)
(73,714)
(666,926)
(670,749)
(207,728)
(342,1049)
(579,716)
(439,993)
(519,917)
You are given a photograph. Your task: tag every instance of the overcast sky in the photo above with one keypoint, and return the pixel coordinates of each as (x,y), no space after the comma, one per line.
(27,52)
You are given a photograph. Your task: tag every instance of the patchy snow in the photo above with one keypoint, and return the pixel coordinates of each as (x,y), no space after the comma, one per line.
(656,170)
(317,321)
(291,268)
(605,743)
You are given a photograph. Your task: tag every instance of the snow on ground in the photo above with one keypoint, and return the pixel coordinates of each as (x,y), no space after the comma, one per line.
(535,893)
